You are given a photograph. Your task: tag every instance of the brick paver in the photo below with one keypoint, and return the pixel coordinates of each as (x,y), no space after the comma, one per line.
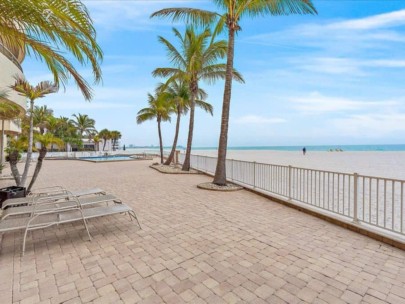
(196,246)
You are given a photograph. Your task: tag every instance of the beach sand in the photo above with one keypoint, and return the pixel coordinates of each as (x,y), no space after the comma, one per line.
(380,164)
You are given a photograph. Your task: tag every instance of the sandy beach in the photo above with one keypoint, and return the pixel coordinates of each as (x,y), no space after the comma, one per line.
(381,164)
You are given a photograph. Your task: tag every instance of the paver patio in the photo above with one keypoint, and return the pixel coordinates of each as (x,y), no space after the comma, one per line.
(196,246)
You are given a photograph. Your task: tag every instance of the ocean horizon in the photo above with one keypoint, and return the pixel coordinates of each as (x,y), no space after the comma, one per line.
(352,148)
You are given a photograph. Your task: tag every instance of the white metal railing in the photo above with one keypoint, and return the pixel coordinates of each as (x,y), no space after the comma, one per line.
(375,201)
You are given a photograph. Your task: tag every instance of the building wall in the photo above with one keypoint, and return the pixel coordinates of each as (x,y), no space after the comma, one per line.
(9,68)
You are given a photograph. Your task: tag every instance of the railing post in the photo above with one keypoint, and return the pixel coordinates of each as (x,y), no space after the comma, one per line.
(254,175)
(289,182)
(232,169)
(355,181)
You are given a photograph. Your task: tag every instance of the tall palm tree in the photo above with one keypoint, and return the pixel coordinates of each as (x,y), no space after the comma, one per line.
(231,13)
(84,124)
(22,87)
(49,28)
(115,136)
(159,109)
(45,140)
(105,134)
(178,91)
(196,59)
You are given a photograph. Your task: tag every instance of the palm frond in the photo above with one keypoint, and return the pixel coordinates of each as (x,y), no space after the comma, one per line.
(189,15)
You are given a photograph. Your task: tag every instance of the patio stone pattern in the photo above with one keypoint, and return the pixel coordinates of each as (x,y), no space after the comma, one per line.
(196,246)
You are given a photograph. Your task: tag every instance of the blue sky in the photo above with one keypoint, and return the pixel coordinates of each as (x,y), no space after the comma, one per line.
(335,78)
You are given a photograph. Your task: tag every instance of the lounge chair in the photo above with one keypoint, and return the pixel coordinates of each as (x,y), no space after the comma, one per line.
(43,202)
(47,212)
(49,192)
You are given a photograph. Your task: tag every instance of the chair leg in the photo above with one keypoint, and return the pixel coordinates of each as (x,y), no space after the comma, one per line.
(24,240)
(85,224)
(133,214)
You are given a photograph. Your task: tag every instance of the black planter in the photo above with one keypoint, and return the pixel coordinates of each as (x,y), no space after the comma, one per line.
(11,192)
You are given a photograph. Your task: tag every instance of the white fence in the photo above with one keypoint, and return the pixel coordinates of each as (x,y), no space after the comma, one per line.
(374,201)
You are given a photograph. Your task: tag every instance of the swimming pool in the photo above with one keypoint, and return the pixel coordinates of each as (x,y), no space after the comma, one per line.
(108,158)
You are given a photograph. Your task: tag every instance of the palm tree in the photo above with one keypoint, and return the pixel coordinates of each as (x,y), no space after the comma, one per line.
(115,136)
(195,60)
(105,135)
(179,93)
(97,140)
(66,131)
(31,93)
(7,111)
(84,124)
(49,28)
(159,109)
(231,13)
(45,140)
(41,116)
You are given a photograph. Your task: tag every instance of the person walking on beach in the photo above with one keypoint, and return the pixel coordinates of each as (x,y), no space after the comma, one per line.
(304,151)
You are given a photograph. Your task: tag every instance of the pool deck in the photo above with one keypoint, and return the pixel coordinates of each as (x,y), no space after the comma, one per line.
(196,246)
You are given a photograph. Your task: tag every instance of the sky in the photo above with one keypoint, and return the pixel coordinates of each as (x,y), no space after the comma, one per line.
(334,78)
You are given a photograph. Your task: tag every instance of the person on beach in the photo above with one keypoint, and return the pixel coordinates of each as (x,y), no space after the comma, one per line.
(304,151)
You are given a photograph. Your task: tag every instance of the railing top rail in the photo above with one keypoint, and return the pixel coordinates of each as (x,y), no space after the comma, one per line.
(313,170)
(382,178)
(6,52)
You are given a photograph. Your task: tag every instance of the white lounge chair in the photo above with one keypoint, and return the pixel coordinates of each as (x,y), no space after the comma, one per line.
(48,212)
(43,202)
(49,192)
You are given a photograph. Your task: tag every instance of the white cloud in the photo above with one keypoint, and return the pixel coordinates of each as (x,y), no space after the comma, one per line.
(335,66)
(254,119)
(374,22)
(316,103)
(129,15)
(371,125)
(339,37)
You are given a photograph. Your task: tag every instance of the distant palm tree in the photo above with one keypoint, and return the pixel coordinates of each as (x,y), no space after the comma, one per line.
(97,140)
(41,116)
(159,109)
(194,60)
(84,124)
(105,135)
(67,132)
(179,93)
(45,140)
(231,13)
(49,28)
(31,93)
(115,136)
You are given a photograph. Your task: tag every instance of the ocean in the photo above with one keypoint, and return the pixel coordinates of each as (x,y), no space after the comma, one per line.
(363,148)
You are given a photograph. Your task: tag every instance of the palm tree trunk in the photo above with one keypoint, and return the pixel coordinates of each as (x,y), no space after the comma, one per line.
(176,135)
(13,160)
(220,171)
(105,142)
(160,141)
(186,163)
(30,143)
(38,167)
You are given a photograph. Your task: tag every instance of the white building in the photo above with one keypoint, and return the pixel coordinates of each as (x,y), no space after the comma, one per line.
(10,66)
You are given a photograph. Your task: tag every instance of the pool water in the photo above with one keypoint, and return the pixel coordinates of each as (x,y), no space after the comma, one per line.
(107,158)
